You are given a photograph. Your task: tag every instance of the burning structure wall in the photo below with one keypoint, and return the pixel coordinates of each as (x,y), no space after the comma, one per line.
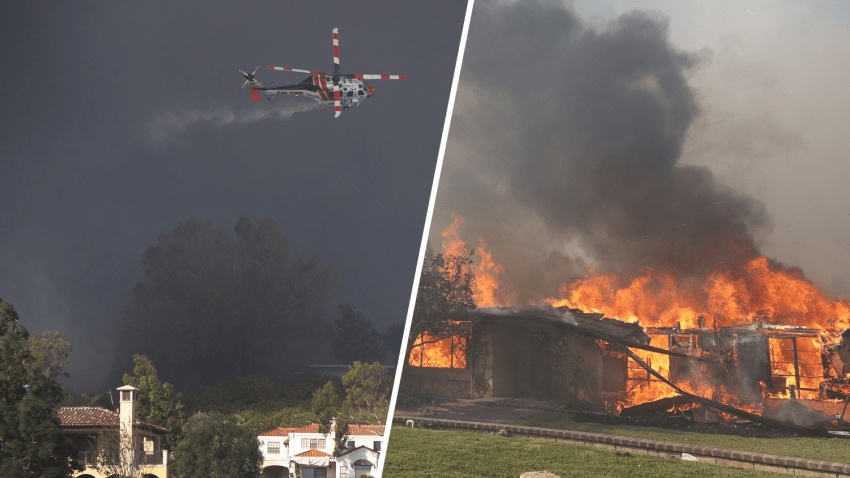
(528,352)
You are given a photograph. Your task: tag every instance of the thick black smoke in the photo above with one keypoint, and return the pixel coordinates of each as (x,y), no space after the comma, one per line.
(568,137)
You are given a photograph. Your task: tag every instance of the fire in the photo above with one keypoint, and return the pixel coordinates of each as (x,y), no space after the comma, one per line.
(445,353)
(486,291)
(758,292)
(453,245)
(761,292)
(487,277)
(645,387)
(657,299)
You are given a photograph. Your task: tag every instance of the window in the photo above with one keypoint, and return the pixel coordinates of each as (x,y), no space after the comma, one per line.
(274,448)
(377,446)
(362,467)
(343,471)
(350,444)
(447,353)
(312,443)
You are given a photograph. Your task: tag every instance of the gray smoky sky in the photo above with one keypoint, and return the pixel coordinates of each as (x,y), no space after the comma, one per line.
(582,142)
(123,119)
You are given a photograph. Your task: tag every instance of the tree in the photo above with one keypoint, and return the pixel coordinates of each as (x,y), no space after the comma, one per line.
(367,392)
(217,446)
(50,352)
(211,307)
(354,337)
(326,403)
(31,440)
(98,400)
(444,297)
(391,338)
(156,402)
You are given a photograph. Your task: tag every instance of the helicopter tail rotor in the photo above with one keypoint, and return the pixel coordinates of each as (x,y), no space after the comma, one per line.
(251,78)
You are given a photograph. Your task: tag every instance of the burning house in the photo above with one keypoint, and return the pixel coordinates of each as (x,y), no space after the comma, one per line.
(752,339)
(746,370)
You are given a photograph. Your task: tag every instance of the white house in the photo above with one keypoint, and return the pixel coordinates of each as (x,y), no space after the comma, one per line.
(288,451)
(362,455)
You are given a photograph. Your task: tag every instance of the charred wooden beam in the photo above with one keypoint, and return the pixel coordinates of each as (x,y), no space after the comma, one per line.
(722,406)
(661,405)
(636,345)
(796,363)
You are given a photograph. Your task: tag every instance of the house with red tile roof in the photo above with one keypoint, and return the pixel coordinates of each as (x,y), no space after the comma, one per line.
(362,454)
(290,451)
(112,442)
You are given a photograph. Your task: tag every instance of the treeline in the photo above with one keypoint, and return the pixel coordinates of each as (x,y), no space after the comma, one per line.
(238,410)
(211,308)
(214,305)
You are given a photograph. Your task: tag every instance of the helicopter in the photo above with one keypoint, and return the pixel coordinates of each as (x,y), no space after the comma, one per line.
(340,90)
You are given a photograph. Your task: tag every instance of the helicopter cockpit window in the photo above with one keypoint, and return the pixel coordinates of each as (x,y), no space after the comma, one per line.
(361,93)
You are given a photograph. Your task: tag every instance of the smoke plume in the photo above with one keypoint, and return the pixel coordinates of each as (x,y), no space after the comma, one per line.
(565,151)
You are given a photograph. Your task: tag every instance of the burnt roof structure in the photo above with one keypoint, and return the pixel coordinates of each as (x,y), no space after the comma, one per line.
(592,324)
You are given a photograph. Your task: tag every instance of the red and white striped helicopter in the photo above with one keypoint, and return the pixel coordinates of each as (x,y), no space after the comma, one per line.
(336,89)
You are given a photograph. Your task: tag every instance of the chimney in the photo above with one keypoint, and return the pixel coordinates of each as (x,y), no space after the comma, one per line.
(126,416)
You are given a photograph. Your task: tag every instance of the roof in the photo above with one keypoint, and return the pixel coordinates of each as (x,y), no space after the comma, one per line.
(377,430)
(284,431)
(593,324)
(363,447)
(314,452)
(98,417)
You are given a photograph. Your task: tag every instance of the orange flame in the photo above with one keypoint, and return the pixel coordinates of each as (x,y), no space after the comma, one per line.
(446,353)
(453,245)
(782,297)
(486,291)
(487,277)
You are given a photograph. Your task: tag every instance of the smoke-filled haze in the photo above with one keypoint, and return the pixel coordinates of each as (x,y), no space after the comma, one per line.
(122,120)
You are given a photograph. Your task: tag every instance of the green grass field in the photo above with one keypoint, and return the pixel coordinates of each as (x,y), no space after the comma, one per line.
(421,452)
(827,449)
